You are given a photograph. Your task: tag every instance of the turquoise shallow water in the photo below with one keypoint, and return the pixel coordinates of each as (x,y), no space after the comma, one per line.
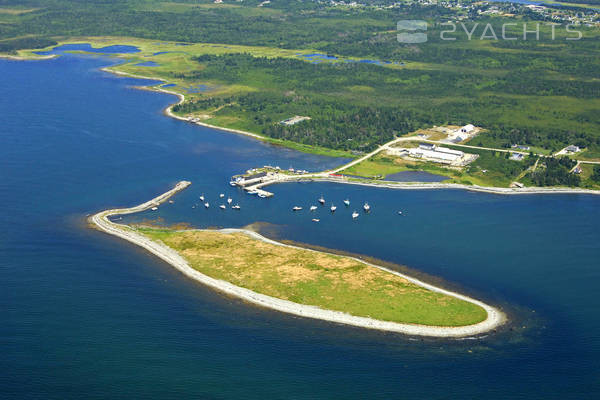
(84,315)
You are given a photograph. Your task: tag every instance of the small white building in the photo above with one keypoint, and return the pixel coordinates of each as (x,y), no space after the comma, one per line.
(427,146)
(467,128)
(572,149)
(294,120)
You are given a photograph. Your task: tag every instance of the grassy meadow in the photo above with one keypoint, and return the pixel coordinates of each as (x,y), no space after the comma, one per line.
(319,279)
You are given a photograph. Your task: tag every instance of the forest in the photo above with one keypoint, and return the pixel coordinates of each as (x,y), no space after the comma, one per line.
(542,93)
(556,173)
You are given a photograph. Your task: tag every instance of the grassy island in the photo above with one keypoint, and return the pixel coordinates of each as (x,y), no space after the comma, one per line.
(319,279)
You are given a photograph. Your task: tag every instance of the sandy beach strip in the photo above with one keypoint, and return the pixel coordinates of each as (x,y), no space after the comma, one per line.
(430,186)
(494,319)
(32,58)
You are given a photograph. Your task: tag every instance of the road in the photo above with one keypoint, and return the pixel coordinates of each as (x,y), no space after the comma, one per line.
(278,178)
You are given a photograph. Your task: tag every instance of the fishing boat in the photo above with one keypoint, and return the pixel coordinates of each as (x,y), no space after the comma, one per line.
(313,208)
(321,200)
(333,208)
(316,220)
(347,202)
(296,208)
(206,204)
(366,207)
(354,215)
(222,206)
(229,200)
(236,207)
(154,208)
(202,198)
(221,195)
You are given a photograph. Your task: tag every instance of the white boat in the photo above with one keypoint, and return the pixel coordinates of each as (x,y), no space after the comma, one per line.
(202,198)
(321,200)
(347,202)
(229,200)
(399,212)
(171,202)
(206,204)
(316,220)
(154,208)
(367,207)
(252,192)
(222,206)
(262,196)
(313,208)
(296,208)
(221,195)
(333,208)
(354,215)
(236,207)
(232,183)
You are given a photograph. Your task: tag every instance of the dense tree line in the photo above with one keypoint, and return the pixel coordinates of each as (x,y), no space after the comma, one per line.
(499,84)
(10,46)
(292,87)
(557,172)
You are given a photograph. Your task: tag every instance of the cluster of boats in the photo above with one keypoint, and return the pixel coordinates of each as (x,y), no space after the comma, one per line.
(229,203)
(222,206)
(333,208)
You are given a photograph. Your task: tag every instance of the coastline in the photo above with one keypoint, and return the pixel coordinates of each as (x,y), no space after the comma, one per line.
(438,186)
(169,109)
(494,319)
(324,176)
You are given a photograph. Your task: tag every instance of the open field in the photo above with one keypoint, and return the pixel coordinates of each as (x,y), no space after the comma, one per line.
(312,278)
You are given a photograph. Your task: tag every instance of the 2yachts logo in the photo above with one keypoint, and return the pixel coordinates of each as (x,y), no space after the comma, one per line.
(408,31)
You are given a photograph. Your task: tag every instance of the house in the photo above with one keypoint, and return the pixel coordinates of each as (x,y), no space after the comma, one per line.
(572,149)
(517,156)
(577,170)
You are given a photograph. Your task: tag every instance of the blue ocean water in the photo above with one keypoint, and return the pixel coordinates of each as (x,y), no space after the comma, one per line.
(84,315)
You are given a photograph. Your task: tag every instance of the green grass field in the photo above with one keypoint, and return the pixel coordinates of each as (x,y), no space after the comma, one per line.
(314,278)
